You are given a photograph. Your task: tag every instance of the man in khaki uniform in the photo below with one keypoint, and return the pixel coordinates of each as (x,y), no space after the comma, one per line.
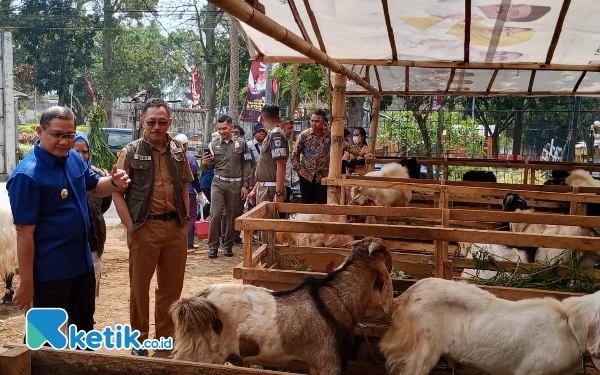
(154,209)
(233,162)
(271,165)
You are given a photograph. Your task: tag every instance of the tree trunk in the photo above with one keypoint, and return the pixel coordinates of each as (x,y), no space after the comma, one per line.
(107,58)
(356,112)
(495,143)
(234,73)
(518,132)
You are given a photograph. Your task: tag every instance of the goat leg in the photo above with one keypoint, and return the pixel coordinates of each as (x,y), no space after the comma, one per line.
(10,292)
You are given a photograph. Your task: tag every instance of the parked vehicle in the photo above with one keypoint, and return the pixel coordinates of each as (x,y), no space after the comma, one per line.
(117,138)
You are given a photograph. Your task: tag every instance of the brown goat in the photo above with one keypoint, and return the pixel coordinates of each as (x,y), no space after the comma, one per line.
(312,323)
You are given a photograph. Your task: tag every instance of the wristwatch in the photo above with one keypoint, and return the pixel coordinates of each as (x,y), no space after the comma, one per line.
(279,193)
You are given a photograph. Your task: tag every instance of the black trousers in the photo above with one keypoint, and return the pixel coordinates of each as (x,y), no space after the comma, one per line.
(76,295)
(312,192)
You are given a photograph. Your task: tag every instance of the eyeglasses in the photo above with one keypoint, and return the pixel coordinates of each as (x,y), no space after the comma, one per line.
(235,132)
(152,123)
(59,135)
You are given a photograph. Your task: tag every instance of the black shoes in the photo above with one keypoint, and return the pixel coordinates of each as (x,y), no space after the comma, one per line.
(212,253)
(228,252)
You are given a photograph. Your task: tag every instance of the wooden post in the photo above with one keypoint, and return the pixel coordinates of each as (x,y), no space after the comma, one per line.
(270,235)
(247,248)
(15,361)
(375,106)
(532,177)
(294,89)
(573,208)
(337,137)
(525,172)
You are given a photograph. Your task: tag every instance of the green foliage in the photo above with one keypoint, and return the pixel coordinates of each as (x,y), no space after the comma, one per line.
(99,151)
(55,39)
(28,128)
(23,150)
(546,277)
(311,80)
(142,59)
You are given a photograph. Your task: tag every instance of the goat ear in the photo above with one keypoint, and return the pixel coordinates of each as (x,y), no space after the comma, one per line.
(593,341)
(374,247)
(387,291)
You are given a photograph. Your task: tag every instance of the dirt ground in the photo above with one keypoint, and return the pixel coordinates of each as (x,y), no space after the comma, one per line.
(113,303)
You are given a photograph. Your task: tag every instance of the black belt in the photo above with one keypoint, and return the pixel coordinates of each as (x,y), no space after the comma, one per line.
(165,217)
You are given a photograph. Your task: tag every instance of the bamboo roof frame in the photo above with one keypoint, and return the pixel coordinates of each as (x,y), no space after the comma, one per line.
(373,85)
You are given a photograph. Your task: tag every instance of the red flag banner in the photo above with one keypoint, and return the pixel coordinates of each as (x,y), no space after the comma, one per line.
(88,85)
(257,88)
(195,89)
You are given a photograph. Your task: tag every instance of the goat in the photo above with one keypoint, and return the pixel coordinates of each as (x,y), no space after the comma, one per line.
(479,176)
(462,322)
(580,177)
(558,177)
(413,167)
(8,244)
(315,239)
(499,253)
(312,323)
(516,203)
(386,197)
(362,200)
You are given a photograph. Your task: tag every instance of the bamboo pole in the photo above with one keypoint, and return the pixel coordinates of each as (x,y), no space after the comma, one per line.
(337,137)
(255,19)
(375,106)
(438,64)
(294,89)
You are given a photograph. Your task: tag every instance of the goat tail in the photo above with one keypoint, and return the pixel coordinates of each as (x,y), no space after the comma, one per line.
(196,320)
(401,341)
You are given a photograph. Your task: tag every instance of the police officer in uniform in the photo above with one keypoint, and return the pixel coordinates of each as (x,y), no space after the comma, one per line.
(232,160)
(271,165)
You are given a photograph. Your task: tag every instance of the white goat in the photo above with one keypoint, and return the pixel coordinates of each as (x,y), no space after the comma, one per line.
(315,239)
(8,244)
(441,318)
(312,323)
(580,177)
(386,197)
(499,253)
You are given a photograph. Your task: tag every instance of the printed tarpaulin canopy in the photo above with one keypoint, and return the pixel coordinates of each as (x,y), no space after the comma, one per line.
(429,47)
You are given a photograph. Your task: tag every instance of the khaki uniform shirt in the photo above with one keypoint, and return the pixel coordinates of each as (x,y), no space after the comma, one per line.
(274,147)
(163,197)
(232,159)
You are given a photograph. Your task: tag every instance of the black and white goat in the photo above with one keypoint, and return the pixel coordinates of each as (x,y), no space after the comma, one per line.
(312,323)
(8,245)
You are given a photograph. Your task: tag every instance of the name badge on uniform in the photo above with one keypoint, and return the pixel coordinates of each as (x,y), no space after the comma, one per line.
(142,157)
(64,194)
(237,144)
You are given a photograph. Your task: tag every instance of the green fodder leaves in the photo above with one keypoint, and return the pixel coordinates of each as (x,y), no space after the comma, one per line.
(99,151)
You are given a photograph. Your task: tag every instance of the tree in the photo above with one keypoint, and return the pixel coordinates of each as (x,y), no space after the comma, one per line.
(234,75)
(56,37)
(125,9)
(142,59)
(311,80)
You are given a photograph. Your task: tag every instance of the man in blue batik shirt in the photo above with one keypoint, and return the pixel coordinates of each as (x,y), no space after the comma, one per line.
(48,197)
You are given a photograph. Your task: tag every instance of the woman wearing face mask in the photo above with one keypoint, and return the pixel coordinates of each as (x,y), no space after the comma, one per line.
(351,162)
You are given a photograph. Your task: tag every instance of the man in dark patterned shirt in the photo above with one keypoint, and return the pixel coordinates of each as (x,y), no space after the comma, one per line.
(310,158)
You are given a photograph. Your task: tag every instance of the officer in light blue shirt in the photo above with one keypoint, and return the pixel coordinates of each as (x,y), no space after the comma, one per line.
(47,192)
